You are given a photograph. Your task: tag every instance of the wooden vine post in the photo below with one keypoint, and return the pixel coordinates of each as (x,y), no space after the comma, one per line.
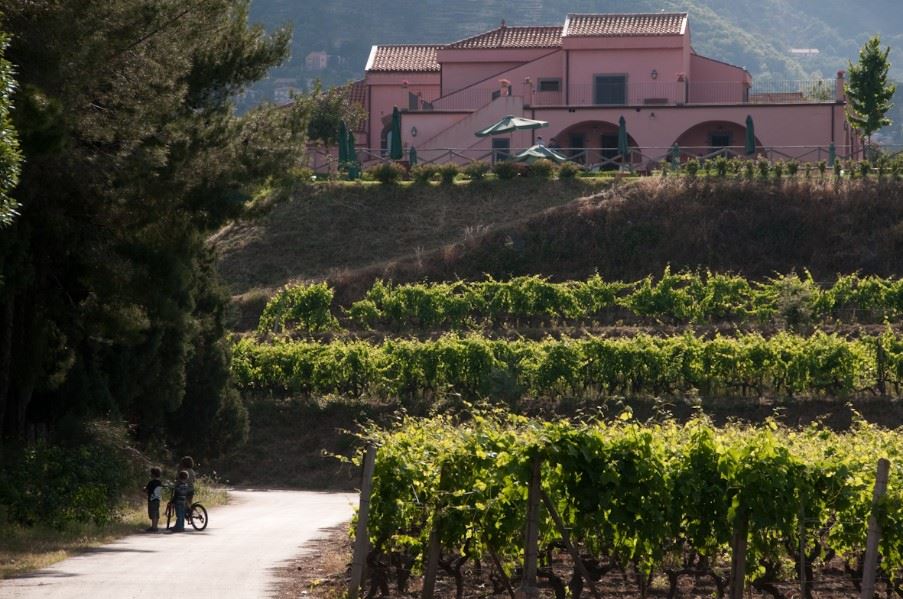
(870,565)
(528,588)
(433,550)
(738,554)
(566,538)
(361,539)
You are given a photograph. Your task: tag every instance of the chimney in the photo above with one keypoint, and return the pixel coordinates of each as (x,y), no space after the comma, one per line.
(503,24)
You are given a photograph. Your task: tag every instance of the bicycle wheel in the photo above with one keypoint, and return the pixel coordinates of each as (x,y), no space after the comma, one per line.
(169,514)
(197,515)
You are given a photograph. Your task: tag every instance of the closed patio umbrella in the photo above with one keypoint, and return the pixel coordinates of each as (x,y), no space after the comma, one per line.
(832,154)
(537,152)
(750,136)
(395,149)
(510,124)
(354,170)
(412,156)
(343,143)
(623,148)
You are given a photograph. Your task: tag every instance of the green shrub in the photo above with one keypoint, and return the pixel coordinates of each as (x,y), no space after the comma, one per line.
(838,169)
(749,168)
(505,169)
(423,173)
(448,172)
(778,168)
(822,168)
(541,169)
(387,173)
(569,170)
(307,307)
(57,484)
(721,166)
(865,167)
(692,167)
(476,171)
(764,167)
(793,168)
(807,170)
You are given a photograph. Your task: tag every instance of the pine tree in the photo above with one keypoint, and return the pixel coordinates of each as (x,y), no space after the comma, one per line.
(9,143)
(868,91)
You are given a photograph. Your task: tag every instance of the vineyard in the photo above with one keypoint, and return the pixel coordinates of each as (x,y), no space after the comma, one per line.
(475,366)
(681,298)
(652,509)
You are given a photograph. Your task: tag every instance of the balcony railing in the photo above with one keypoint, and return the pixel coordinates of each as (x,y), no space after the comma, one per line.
(654,93)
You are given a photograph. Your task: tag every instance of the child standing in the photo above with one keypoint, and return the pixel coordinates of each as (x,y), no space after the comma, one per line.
(187,464)
(154,489)
(180,494)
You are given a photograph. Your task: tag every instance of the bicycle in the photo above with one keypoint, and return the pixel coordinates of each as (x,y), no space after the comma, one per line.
(196,515)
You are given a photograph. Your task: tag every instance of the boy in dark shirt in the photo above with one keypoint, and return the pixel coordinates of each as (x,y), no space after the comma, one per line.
(154,489)
(180,493)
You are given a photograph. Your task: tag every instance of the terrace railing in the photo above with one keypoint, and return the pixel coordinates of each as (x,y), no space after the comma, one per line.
(607,158)
(651,93)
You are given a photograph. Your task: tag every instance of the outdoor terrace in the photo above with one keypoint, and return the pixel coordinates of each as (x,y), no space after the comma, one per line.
(676,93)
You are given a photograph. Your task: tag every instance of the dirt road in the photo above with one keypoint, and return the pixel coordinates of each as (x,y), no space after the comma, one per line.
(233,558)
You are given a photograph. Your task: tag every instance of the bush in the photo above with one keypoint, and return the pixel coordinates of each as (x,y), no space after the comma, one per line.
(423,173)
(541,169)
(692,167)
(822,168)
(476,171)
(793,168)
(57,484)
(387,173)
(721,166)
(764,167)
(568,170)
(308,307)
(838,169)
(506,169)
(448,172)
(865,168)
(749,168)
(778,167)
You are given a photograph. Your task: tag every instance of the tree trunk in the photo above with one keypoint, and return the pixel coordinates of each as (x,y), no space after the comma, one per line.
(6,353)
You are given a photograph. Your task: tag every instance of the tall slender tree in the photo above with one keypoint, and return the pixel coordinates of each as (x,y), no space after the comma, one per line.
(868,90)
(9,143)
(133,155)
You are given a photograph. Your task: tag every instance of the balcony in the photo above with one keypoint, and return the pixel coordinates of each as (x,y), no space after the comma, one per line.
(679,93)
(675,93)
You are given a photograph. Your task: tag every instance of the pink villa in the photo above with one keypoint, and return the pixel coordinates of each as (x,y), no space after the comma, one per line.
(581,77)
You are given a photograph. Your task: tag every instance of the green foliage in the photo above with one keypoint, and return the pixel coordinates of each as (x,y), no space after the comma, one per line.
(133,156)
(387,173)
(10,156)
(692,167)
(569,170)
(58,484)
(686,297)
(476,171)
(722,165)
(637,495)
(541,169)
(327,109)
(793,167)
(868,90)
(764,167)
(304,307)
(424,173)
(448,172)
(505,169)
(782,365)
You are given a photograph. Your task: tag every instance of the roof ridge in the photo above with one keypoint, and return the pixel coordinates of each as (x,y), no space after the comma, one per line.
(628,14)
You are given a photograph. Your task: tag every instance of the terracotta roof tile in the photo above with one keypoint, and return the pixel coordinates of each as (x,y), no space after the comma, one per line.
(512,37)
(403,58)
(615,25)
(357,92)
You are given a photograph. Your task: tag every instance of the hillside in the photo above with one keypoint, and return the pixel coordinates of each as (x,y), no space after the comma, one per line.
(757,35)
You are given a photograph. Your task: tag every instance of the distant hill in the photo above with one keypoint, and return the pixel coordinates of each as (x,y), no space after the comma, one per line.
(758,35)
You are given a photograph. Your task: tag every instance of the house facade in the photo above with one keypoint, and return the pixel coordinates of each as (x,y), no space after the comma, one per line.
(582,77)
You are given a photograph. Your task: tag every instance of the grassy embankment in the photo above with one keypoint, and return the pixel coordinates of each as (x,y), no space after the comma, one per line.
(352,234)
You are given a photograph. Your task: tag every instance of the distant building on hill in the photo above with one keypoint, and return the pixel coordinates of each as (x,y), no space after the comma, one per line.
(316,61)
(582,77)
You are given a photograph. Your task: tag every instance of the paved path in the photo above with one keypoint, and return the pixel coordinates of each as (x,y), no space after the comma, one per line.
(233,558)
